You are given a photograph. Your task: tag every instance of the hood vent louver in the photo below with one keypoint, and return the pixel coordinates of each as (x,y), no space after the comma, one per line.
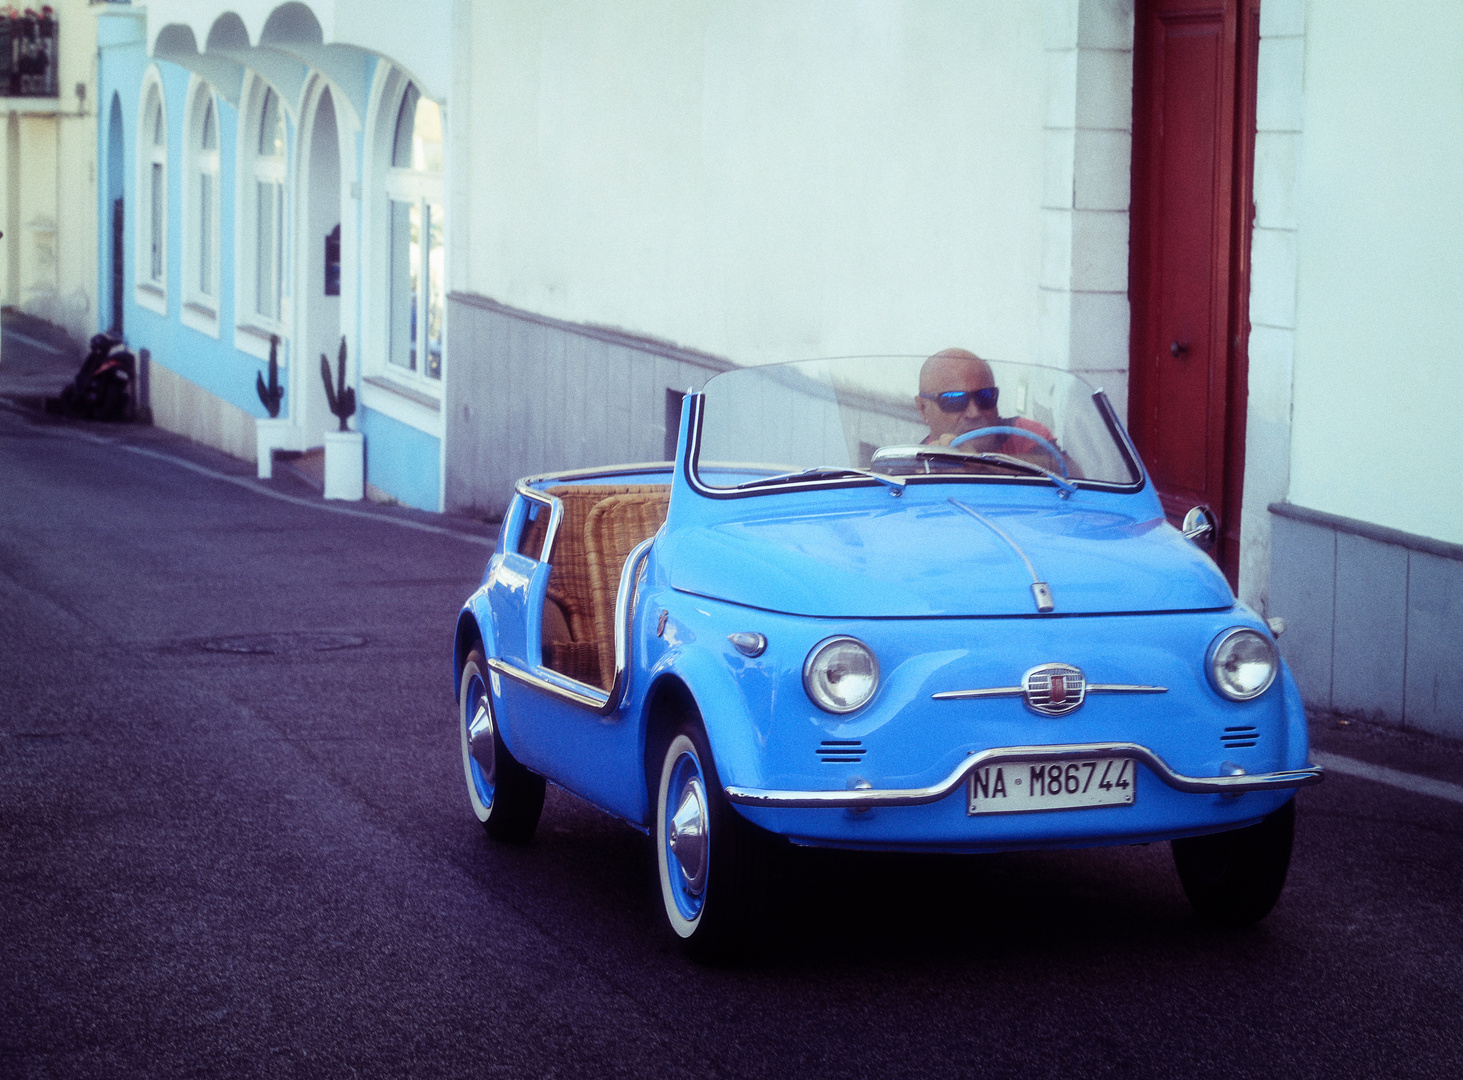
(841,750)
(1235,737)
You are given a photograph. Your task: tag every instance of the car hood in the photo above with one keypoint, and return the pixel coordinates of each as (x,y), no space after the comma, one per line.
(937,559)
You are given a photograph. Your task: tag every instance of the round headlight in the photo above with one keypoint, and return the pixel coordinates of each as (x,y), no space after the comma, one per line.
(1242,663)
(840,674)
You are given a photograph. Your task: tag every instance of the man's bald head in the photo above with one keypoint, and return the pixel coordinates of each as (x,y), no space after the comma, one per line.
(961,371)
(950,367)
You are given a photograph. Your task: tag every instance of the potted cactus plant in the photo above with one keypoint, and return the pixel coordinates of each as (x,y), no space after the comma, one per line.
(345,450)
(276,432)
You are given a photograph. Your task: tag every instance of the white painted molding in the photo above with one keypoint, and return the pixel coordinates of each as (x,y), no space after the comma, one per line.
(1273,279)
(1086,191)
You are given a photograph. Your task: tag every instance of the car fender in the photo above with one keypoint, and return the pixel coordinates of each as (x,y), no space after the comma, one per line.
(474,623)
(728,717)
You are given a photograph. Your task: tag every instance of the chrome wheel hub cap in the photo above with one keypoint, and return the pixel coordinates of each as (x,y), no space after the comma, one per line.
(480,739)
(686,835)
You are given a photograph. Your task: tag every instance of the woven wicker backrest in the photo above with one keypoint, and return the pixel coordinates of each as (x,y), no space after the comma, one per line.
(572,579)
(616,524)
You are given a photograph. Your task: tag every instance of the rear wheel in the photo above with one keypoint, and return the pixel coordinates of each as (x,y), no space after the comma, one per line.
(712,862)
(505,796)
(1234,878)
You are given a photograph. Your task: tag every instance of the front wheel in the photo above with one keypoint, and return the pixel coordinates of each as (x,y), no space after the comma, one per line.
(505,796)
(1234,878)
(712,862)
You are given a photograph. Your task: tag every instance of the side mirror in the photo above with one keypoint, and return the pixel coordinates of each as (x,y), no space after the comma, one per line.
(1201,527)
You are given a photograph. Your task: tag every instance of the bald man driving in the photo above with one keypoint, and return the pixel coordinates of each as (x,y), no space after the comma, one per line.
(958,394)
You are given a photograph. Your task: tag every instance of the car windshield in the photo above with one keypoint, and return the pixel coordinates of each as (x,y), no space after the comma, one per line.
(952,416)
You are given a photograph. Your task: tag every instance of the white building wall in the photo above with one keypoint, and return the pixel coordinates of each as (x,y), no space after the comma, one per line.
(1378,387)
(48,258)
(1354,392)
(759,180)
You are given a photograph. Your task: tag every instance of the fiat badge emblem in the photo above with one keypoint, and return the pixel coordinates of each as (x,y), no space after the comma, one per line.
(1054,689)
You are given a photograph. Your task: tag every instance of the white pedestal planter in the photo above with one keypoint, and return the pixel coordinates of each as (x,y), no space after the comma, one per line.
(345,465)
(272,435)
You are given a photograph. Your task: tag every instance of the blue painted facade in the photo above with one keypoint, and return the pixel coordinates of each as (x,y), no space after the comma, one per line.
(403,462)
(401,459)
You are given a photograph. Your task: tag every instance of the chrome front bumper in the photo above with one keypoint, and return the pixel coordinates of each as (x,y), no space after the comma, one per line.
(1235,784)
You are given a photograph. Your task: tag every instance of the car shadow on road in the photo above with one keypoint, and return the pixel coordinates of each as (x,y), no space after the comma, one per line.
(589,878)
(842,907)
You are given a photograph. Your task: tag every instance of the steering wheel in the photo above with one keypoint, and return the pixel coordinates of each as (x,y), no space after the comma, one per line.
(1002,429)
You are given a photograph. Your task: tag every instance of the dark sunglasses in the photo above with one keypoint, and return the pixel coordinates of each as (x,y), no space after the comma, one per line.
(953,401)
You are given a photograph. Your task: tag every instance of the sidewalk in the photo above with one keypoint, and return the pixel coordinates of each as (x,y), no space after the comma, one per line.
(1416,753)
(36,359)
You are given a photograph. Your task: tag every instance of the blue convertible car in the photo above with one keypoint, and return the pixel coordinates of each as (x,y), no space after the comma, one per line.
(888,603)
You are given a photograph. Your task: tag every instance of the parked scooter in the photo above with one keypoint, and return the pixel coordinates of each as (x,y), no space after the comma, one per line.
(102,389)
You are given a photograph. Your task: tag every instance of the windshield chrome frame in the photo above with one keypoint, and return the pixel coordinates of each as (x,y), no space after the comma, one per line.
(690,467)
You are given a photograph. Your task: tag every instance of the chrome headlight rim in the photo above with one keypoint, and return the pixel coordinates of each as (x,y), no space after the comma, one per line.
(1211,662)
(810,667)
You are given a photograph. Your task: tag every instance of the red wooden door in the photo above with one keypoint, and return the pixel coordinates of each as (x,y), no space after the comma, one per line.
(1193,152)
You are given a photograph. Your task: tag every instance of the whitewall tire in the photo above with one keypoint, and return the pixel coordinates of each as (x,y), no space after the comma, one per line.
(505,797)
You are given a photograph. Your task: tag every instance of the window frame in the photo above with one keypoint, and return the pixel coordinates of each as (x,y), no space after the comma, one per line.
(202,238)
(406,397)
(150,224)
(424,195)
(253,328)
(425,191)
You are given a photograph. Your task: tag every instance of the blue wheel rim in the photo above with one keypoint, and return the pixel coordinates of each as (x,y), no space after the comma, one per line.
(686,769)
(476,692)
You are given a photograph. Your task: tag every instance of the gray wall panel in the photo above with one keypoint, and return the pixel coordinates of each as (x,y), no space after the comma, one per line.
(1374,618)
(1435,645)
(543,395)
(1370,629)
(1302,584)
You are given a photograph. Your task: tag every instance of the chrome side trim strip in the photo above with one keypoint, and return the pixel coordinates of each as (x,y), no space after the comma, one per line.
(1016,691)
(588,696)
(865,798)
(572,690)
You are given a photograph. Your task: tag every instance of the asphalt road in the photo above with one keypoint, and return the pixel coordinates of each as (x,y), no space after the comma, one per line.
(234,841)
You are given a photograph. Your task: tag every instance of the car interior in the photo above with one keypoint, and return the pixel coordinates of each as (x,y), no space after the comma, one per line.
(601,525)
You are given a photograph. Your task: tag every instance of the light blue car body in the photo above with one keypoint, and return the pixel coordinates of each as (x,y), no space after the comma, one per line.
(945,605)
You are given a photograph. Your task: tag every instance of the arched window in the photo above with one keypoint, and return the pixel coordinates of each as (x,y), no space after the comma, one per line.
(155,172)
(201,246)
(269,177)
(207,198)
(414,188)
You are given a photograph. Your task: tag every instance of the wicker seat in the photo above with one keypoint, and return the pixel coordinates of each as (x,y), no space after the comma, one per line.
(616,524)
(601,523)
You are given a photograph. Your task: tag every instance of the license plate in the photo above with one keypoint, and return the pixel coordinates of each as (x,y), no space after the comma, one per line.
(1064,784)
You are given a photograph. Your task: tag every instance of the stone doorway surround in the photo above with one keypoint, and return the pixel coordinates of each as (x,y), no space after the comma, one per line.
(1088,141)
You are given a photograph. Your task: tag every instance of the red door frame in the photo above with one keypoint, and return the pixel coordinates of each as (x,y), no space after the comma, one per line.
(1221,397)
